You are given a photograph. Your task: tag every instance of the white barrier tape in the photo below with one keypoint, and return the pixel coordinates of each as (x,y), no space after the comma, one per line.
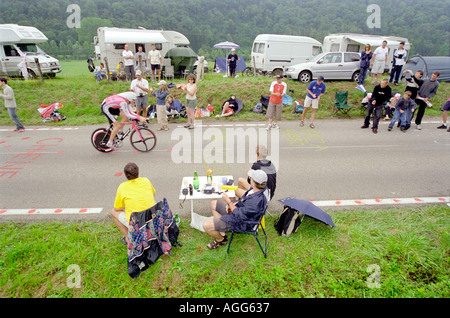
(50,211)
(392,201)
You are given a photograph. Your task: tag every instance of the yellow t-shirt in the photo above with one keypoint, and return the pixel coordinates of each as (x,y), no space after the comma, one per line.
(135,195)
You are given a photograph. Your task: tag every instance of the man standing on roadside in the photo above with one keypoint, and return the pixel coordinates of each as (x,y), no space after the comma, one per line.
(275,108)
(154,56)
(232,60)
(379,61)
(397,63)
(128,58)
(140,87)
(426,91)
(381,94)
(10,104)
(315,90)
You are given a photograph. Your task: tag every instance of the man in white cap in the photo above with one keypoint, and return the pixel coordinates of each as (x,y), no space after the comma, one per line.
(140,87)
(232,59)
(228,214)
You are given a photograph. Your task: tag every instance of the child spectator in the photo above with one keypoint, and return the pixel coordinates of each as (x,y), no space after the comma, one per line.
(400,111)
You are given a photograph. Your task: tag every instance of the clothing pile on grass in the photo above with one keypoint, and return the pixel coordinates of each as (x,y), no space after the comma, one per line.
(51,112)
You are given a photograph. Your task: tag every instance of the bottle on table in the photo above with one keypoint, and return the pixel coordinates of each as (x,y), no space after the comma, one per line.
(196,182)
(209,176)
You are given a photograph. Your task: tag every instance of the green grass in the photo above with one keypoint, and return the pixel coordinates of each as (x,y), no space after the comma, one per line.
(410,245)
(81,96)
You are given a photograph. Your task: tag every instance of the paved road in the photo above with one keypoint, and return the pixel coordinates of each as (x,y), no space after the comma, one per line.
(59,169)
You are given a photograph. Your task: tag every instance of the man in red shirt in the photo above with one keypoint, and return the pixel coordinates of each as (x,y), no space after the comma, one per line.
(277,91)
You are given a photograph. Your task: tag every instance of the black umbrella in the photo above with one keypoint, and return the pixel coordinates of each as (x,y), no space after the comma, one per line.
(309,209)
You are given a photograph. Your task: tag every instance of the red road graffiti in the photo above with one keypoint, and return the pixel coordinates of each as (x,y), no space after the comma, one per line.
(21,160)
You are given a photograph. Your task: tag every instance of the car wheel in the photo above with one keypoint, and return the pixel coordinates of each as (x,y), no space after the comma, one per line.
(304,77)
(277,72)
(355,76)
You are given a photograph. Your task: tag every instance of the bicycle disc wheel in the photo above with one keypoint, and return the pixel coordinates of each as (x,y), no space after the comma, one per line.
(143,140)
(99,139)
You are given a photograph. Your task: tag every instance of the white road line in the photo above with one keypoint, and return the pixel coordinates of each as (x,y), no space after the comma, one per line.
(78,211)
(44,129)
(391,201)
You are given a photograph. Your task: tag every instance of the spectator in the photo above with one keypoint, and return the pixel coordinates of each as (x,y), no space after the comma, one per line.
(275,108)
(445,110)
(379,61)
(154,56)
(414,82)
(100,72)
(143,67)
(397,63)
(229,107)
(381,94)
(161,113)
(261,164)
(228,214)
(140,87)
(366,56)
(171,107)
(400,111)
(191,99)
(10,104)
(134,195)
(128,57)
(121,74)
(232,59)
(426,91)
(315,90)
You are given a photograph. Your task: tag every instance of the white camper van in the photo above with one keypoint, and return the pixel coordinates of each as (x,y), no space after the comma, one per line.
(110,42)
(18,41)
(274,52)
(351,42)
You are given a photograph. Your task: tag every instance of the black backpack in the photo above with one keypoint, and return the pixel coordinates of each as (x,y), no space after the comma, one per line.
(287,222)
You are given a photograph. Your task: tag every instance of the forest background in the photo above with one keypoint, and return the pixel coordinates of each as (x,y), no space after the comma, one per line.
(207,22)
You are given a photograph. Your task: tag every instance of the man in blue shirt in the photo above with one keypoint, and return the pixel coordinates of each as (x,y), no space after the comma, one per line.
(315,90)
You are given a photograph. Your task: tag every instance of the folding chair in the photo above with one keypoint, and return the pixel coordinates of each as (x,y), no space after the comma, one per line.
(169,71)
(252,228)
(341,105)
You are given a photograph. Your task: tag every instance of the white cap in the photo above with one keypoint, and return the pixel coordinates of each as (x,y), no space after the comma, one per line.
(233,49)
(162,82)
(138,72)
(258,176)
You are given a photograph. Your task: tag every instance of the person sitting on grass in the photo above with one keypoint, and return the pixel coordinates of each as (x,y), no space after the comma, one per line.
(134,195)
(229,107)
(230,214)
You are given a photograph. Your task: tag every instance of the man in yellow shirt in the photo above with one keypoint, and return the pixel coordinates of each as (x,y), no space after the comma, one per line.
(134,195)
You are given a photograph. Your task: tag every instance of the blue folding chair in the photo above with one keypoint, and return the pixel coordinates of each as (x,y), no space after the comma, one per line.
(252,228)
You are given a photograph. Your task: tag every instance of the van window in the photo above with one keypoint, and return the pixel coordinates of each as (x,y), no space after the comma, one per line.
(316,50)
(351,57)
(261,48)
(119,46)
(28,48)
(332,58)
(10,50)
(353,48)
(334,47)
(255,47)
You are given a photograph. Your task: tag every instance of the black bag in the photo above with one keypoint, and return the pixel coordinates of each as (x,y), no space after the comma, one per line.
(287,222)
(91,66)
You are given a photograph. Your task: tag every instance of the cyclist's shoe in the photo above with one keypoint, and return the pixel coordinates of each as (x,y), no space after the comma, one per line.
(110,144)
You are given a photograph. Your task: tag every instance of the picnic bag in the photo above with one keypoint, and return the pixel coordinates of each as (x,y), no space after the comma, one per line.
(288,221)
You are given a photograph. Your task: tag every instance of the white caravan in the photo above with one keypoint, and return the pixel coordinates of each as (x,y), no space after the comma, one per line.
(110,42)
(18,41)
(274,52)
(352,42)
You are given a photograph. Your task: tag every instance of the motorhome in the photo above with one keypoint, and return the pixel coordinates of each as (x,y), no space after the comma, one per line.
(18,41)
(110,42)
(352,42)
(275,52)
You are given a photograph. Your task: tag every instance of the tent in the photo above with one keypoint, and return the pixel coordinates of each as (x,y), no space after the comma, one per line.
(182,58)
(221,64)
(430,64)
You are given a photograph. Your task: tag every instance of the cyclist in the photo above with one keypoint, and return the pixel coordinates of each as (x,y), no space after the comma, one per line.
(120,105)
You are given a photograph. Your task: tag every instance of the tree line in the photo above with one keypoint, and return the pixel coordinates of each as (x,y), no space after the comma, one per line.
(206,22)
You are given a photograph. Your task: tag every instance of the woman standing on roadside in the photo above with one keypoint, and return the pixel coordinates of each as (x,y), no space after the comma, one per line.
(161,113)
(191,99)
(366,56)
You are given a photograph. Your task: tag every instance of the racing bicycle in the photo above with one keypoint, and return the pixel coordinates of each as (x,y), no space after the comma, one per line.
(141,137)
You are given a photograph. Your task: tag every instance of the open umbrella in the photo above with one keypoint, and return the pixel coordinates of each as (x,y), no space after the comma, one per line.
(309,209)
(226,45)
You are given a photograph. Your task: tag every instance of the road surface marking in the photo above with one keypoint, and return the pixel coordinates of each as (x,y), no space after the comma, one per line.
(50,211)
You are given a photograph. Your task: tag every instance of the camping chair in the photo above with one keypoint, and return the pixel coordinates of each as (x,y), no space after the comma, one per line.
(341,105)
(169,71)
(240,106)
(252,228)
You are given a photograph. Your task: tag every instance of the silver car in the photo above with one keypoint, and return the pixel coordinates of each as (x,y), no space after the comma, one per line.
(330,65)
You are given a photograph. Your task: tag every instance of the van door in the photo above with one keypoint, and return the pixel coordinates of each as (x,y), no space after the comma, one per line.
(258,53)
(10,60)
(300,53)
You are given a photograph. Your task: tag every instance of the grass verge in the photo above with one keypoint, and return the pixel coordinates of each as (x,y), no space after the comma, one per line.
(410,246)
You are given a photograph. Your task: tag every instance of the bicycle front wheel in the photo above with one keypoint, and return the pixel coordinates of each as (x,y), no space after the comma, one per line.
(143,139)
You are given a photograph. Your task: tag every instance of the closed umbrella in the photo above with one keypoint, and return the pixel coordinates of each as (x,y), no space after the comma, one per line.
(309,209)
